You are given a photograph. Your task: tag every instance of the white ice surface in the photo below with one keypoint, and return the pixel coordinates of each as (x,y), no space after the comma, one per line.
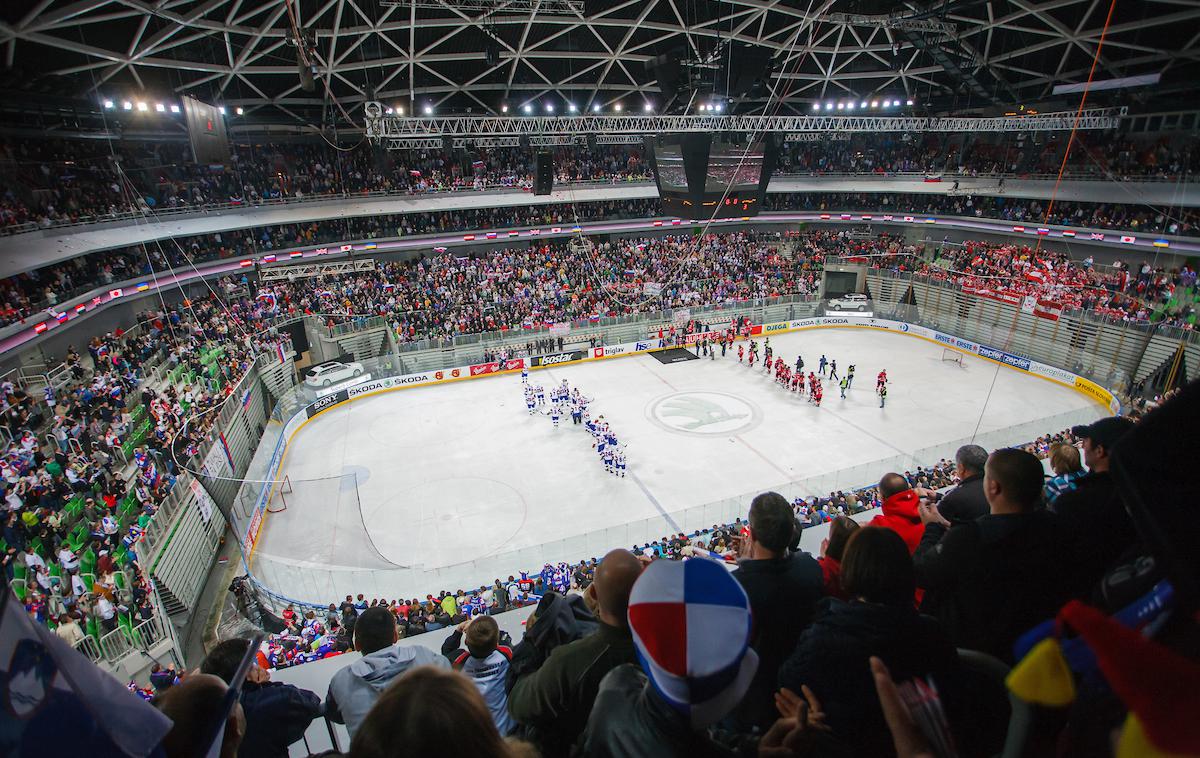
(458,484)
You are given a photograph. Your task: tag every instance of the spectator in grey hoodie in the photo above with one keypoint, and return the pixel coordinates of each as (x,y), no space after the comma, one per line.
(485,662)
(354,689)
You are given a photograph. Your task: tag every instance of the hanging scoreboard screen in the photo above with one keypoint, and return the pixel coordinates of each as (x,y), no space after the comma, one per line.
(702,176)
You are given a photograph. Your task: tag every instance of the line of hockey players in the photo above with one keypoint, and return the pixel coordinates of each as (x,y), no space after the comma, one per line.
(793,379)
(563,400)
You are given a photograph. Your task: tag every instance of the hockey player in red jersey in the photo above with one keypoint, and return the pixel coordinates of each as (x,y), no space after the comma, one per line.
(741,353)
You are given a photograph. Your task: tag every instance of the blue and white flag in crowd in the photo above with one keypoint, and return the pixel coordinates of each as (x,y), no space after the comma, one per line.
(56,701)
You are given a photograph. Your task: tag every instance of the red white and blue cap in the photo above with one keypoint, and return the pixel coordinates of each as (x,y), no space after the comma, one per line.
(691,629)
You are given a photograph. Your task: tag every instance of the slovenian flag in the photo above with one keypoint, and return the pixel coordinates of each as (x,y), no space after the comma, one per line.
(1042,232)
(594,318)
(1128,240)
(142,287)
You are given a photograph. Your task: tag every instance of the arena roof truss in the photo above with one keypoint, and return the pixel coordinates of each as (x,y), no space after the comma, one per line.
(482,56)
(310,270)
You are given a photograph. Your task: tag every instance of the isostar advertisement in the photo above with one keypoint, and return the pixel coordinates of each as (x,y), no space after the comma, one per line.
(558,358)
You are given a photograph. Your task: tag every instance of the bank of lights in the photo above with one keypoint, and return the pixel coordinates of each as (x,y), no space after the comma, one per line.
(710,107)
(851,105)
(142,106)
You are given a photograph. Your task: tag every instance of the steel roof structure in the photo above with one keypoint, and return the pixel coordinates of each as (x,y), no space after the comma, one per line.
(486,56)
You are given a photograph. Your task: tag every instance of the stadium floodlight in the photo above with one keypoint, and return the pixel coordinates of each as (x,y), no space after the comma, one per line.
(649,108)
(127,105)
(428,110)
(388,111)
(549,107)
(840,106)
(504,109)
(571,107)
(527,108)
(910,102)
(595,107)
(400,110)
(816,106)
(617,107)
(849,106)
(863,104)
(221,109)
(109,105)
(174,108)
(239,110)
(828,106)
(143,107)
(874,103)
(718,106)
(160,107)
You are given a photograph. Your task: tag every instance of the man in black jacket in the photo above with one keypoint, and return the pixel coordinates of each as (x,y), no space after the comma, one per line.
(783,589)
(1093,514)
(991,579)
(966,502)
(276,714)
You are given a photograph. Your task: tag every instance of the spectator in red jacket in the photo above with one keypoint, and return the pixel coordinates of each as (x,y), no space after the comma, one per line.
(832,547)
(900,510)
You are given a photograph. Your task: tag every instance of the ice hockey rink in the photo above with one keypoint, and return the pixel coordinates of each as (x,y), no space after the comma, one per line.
(413,491)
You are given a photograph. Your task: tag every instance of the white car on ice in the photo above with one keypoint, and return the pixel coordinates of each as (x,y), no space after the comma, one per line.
(851,301)
(332,372)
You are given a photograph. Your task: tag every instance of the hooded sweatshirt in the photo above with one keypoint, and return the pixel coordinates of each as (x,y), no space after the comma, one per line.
(901,516)
(489,675)
(354,689)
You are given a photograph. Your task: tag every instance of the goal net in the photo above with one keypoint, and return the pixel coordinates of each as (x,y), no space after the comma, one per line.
(952,356)
(279,498)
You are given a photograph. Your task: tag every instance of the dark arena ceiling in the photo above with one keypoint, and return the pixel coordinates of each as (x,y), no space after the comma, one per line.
(490,56)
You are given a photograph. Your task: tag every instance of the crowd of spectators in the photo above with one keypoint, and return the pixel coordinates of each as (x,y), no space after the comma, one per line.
(64,181)
(886,643)
(89,462)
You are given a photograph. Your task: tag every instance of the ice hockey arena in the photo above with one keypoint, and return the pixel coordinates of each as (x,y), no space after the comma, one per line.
(574,378)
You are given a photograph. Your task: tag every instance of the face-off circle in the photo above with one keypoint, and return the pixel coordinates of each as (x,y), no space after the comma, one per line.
(704,413)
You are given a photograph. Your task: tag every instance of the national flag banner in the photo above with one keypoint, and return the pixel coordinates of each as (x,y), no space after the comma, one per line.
(594,318)
(514,233)
(388,286)
(80,308)
(576,228)
(931,221)
(468,238)
(1097,235)
(61,317)
(909,218)
(268,259)
(142,287)
(414,172)
(675,222)
(535,231)
(477,164)
(1161,243)
(1048,309)
(96,300)
(1128,240)
(246,398)
(439,250)
(1042,232)
(866,217)
(246,264)
(347,248)
(657,223)
(931,179)
(491,235)
(825,217)
(322,251)
(846,216)
(113,294)
(296,254)
(555,229)
(59,700)
(1019,229)
(887,217)
(1034,275)
(370,246)
(281,352)
(1068,233)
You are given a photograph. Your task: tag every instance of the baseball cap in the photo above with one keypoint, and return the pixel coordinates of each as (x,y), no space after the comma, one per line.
(691,629)
(1104,432)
